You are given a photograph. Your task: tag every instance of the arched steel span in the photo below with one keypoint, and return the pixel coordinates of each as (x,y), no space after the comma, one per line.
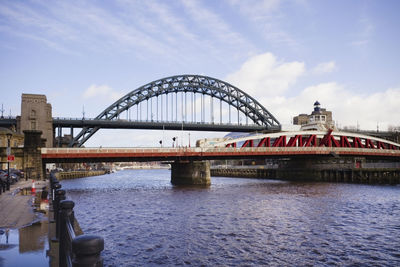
(310,139)
(195,84)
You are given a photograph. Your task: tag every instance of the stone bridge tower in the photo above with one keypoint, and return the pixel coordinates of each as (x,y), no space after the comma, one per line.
(36,114)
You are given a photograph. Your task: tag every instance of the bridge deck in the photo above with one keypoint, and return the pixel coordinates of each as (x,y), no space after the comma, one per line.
(197,153)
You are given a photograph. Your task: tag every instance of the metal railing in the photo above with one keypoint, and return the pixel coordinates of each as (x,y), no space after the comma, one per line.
(184,122)
(210,150)
(82,251)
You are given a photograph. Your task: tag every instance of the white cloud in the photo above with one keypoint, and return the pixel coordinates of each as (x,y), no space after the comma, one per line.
(269,18)
(325,67)
(221,31)
(264,75)
(365,32)
(348,108)
(101,91)
(266,79)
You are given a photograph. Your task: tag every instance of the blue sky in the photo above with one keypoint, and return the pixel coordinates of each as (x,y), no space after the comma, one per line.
(287,53)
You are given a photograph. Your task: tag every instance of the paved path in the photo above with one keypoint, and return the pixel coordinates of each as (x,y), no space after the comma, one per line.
(16,209)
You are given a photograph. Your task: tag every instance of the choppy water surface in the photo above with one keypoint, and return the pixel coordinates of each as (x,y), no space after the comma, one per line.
(146,221)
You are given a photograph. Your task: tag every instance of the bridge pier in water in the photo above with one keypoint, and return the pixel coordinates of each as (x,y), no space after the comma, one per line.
(336,170)
(190,173)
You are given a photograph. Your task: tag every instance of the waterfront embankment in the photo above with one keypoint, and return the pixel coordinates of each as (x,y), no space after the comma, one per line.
(364,176)
(78,174)
(24,224)
(17,208)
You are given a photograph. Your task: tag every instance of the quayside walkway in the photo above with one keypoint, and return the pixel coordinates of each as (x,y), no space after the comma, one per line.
(16,209)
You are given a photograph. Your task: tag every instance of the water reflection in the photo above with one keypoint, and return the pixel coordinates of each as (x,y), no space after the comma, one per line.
(24,247)
(27,246)
(33,238)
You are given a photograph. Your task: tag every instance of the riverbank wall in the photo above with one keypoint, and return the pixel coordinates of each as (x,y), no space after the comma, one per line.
(77,174)
(366,176)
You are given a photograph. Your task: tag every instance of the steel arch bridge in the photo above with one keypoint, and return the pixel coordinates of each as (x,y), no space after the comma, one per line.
(183,113)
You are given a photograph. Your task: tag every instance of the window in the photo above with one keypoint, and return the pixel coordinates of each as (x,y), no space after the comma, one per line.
(33,113)
(33,125)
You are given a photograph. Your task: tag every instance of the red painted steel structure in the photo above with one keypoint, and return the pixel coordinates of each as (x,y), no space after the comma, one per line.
(311,140)
(197,153)
(277,145)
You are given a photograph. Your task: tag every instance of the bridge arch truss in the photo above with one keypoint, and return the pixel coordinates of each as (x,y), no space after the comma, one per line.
(186,99)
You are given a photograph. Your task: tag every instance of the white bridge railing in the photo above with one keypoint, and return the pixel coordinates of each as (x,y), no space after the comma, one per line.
(218,150)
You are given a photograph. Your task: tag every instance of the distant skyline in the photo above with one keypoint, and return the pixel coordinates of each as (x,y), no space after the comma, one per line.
(287,54)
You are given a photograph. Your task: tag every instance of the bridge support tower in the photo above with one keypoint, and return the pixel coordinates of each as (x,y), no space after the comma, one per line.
(32,154)
(190,173)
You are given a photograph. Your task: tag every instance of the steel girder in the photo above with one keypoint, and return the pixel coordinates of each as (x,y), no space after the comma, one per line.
(186,83)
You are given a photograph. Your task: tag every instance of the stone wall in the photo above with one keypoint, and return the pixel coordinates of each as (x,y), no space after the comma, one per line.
(18,163)
(190,173)
(32,154)
(77,174)
(36,114)
(367,176)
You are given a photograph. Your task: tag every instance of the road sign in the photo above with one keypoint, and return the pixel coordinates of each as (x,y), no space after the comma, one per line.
(8,151)
(10,158)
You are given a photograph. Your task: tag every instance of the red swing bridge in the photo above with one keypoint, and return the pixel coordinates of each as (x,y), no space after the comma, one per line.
(282,144)
(306,139)
(300,151)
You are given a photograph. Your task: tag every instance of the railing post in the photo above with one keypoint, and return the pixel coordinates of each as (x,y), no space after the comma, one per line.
(53,180)
(86,250)
(60,195)
(66,216)
(56,186)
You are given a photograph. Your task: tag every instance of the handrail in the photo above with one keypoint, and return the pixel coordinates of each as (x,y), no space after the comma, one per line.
(84,250)
(201,150)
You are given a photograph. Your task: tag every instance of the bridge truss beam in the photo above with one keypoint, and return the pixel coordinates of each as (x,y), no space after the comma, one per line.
(124,124)
(314,139)
(196,88)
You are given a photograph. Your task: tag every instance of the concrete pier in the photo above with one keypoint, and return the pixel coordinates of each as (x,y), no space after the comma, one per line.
(191,173)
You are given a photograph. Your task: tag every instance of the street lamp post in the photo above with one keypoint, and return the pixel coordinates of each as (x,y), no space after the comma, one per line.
(9,135)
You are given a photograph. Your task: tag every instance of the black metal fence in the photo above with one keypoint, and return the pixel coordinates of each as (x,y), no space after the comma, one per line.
(81,251)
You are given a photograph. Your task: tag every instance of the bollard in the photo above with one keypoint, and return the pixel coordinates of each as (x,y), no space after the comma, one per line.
(66,212)
(87,249)
(56,186)
(67,233)
(60,195)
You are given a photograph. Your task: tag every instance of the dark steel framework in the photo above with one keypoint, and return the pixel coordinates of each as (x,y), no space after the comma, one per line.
(184,84)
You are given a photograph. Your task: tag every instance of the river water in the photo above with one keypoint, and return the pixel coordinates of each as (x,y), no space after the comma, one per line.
(145,221)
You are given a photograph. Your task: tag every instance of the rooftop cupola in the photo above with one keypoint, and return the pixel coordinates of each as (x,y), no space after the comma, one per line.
(317,106)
